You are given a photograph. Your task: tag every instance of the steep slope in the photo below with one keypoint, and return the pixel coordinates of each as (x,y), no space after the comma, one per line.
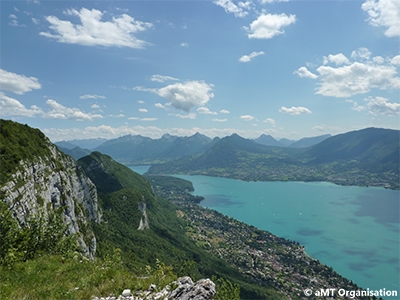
(76,152)
(309,141)
(128,202)
(183,146)
(371,147)
(37,179)
(268,140)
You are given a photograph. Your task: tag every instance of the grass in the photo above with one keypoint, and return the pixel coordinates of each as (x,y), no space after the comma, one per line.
(54,277)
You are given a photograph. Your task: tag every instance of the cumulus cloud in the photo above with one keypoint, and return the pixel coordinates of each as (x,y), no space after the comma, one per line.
(184,44)
(95,106)
(148,119)
(185,96)
(384,13)
(338,59)
(346,78)
(395,60)
(224,111)
(117,32)
(267,26)
(357,78)
(59,111)
(304,72)
(188,116)
(247,118)
(230,7)
(161,78)
(272,1)
(361,53)
(219,120)
(159,105)
(247,58)
(12,107)
(18,84)
(140,102)
(205,111)
(270,121)
(143,110)
(92,97)
(294,111)
(381,106)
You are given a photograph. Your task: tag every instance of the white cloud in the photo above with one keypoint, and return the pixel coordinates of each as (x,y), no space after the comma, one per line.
(294,111)
(18,84)
(161,78)
(205,111)
(224,111)
(381,106)
(92,31)
(95,106)
(92,97)
(267,26)
(247,118)
(188,116)
(384,13)
(362,53)
(117,116)
(143,110)
(58,111)
(338,59)
(270,121)
(304,72)
(219,120)
(378,59)
(272,1)
(185,96)
(148,119)
(357,107)
(359,76)
(247,58)
(140,102)
(230,7)
(159,105)
(12,107)
(184,44)
(395,60)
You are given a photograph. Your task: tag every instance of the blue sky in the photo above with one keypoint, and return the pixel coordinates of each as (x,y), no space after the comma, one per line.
(291,69)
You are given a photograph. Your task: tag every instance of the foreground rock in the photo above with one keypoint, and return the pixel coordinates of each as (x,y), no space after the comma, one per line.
(182,289)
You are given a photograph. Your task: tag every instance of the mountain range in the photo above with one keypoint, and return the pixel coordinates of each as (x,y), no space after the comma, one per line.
(368,157)
(137,149)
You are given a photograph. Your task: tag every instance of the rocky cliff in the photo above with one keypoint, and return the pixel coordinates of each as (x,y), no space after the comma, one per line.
(54,181)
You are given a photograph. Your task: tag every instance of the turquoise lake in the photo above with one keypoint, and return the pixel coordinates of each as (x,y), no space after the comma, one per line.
(355,230)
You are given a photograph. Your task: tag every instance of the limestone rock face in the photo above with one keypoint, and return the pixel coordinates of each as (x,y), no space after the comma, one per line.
(55,182)
(184,289)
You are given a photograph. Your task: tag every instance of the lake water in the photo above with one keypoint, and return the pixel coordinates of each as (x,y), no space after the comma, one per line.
(355,230)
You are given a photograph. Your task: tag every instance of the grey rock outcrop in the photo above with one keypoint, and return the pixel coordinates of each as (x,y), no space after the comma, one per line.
(182,289)
(55,182)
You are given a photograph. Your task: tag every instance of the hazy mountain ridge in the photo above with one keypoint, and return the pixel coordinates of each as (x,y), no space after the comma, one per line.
(137,149)
(365,157)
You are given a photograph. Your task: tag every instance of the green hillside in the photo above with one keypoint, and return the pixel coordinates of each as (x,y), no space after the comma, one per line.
(121,191)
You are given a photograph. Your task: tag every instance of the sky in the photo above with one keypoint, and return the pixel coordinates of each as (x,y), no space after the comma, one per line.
(291,69)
